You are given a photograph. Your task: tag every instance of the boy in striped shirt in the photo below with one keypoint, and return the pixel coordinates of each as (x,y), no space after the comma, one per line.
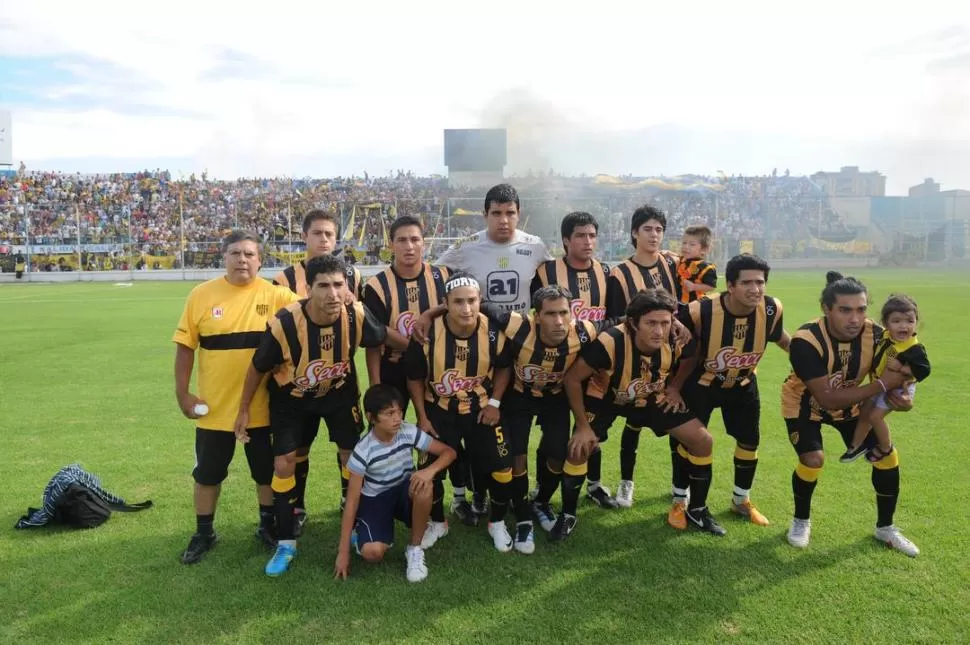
(384,486)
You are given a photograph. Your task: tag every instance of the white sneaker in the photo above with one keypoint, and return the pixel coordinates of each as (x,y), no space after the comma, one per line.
(434,532)
(799,533)
(500,536)
(416,568)
(525,541)
(624,493)
(896,540)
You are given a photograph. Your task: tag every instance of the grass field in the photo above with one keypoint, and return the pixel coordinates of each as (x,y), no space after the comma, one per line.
(87,376)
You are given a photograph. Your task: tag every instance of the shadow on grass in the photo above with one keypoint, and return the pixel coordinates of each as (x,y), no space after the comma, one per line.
(620,577)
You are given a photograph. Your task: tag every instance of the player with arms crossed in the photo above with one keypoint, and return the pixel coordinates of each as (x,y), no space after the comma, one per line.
(309,347)
(732,331)
(451,384)
(223,319)
(624,373)
(320,232)
(830,358)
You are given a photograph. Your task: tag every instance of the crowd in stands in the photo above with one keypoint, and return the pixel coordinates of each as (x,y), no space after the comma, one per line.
(139,217)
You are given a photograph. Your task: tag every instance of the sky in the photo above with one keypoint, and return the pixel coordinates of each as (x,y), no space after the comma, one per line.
(310,89)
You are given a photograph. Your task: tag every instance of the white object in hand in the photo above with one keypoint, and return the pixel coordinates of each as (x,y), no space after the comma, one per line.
(200,409)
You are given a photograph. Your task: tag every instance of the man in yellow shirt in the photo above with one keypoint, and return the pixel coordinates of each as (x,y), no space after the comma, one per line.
(224,319)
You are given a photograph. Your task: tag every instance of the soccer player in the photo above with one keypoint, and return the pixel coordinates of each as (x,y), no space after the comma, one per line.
(501,258)
(451,384)
(624,372)
(540,351)
(320,232)
(732,332)
(899,343)
(384,486)
(397,296)
(697,276)
(830,358)
(647,268)
(223,319)
(309,346)
(580,273)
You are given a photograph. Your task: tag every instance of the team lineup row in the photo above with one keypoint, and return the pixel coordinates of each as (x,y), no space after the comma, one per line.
(649,341)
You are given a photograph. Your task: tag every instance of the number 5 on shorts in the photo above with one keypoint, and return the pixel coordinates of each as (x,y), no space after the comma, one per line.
(499,435)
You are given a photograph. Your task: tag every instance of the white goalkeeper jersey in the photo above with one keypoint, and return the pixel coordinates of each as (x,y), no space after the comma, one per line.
(504,271)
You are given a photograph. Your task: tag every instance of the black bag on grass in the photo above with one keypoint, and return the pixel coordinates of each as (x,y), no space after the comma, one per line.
(74,497)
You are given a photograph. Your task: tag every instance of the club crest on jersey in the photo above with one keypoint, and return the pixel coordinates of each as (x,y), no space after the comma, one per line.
(740,331)
(405,323)
(319,375)
(461,352)
(452,382)
(581,312)
(412,293)
(326,341)
(535,375)
(217,312)
(503,263)
(582,281)
(728,358)
(262,310)
(550,355)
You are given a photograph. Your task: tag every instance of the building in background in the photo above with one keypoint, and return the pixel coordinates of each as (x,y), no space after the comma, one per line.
(850,182)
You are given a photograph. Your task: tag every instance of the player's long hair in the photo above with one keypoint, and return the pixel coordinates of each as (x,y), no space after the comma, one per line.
(649,300)
(838,285)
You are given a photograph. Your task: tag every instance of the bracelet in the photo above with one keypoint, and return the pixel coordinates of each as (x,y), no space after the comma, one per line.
(495,403)
(883,385)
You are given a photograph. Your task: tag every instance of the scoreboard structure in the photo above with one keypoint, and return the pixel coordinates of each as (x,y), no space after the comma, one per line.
(475,157)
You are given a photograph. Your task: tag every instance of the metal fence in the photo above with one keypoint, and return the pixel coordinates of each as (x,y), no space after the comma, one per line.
(892,230)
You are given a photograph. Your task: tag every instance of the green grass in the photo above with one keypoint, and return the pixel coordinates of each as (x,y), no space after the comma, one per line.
(87,376)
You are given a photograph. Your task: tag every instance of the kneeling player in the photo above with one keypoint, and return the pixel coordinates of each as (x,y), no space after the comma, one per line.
(309,347)
(627,369)
(384,486)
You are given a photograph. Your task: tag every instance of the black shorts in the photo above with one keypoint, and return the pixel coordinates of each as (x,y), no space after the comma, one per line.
(214,450)
(376,515)
(518,411)
(486,447)
(740,408)
(393,374)
(806,436)
(295,421)
(652,416)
